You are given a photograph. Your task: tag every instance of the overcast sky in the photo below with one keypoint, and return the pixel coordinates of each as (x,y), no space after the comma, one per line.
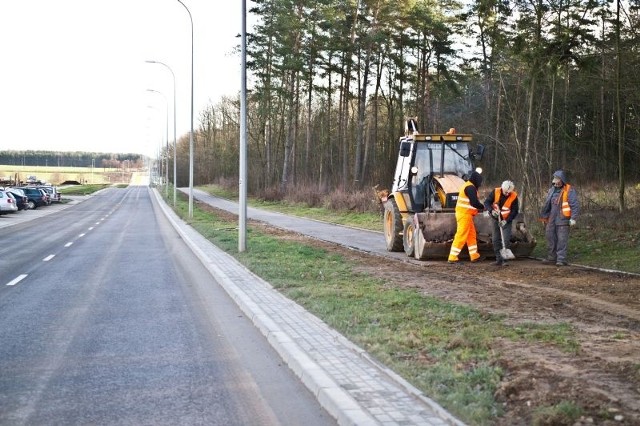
(73,74)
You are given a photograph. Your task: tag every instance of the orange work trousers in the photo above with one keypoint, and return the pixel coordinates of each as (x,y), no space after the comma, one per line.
(465,234)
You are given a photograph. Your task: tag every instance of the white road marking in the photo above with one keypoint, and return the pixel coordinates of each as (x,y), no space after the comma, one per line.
(17,279)
(48,258)
(81,235)
(91,228)
(68,244)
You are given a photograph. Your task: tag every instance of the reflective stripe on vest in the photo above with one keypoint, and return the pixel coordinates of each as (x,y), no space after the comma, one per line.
(566,209)
(506,208)
(464,204)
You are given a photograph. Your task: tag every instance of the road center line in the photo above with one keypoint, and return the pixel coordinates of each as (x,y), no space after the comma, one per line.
(17,279)
(48,258)
(68,244)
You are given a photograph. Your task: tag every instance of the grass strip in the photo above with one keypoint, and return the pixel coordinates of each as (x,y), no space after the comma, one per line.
(82,189)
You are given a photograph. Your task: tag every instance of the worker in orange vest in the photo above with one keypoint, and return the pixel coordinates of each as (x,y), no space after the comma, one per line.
(467,206)
(559,213)
(502,204)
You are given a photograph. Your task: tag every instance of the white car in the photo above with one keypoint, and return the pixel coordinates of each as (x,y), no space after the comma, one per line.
(54,195)
(8,204)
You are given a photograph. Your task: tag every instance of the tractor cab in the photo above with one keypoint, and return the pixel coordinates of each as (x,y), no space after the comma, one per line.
(431,168)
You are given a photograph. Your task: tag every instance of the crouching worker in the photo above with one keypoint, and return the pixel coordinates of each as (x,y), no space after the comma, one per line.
(467,207)
(503,206)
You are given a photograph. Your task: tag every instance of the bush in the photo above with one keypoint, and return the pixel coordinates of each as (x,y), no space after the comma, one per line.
(357,201)
(270,194)
(310,196)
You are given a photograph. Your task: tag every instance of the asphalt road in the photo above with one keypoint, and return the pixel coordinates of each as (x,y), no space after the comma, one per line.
(107,318)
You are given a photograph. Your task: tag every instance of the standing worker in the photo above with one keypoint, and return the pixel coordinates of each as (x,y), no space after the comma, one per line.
(504,207)
(559,213)
(467,207)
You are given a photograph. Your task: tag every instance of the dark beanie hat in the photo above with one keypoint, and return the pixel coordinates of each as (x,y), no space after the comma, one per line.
(475,179)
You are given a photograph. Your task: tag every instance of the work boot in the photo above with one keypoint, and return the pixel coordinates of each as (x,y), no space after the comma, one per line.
(549,261)
(561,263)
(478,259)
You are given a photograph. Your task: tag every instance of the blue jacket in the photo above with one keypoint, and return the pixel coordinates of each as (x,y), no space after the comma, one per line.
(552,208)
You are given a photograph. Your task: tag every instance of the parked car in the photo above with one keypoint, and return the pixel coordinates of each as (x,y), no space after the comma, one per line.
(54,195)
(7,203)
(21,198)
(37,197)
(47,196)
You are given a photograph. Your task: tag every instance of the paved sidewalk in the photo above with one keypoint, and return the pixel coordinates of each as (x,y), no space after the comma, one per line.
(350,385)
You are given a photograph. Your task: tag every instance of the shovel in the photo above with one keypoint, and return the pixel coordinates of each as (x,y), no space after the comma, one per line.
(505,253)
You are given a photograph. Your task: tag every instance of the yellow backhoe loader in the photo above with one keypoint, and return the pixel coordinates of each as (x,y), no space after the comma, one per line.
(419,212)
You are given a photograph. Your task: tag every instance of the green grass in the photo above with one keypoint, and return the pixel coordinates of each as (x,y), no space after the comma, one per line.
(444,349)
(83,189)
(563,413)
(608,240)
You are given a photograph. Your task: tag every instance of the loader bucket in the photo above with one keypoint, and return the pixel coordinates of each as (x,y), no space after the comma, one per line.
(437,230)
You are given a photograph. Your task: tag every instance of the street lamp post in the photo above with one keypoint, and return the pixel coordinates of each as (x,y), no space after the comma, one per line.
(166,122)
(191,132)
(175,179)
(242,214)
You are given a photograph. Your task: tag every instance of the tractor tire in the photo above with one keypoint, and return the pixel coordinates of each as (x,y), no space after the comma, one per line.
(408,238)
(393,226)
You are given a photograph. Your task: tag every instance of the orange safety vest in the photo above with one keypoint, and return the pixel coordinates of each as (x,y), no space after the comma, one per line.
(506,207)
(566,209)
(463,205)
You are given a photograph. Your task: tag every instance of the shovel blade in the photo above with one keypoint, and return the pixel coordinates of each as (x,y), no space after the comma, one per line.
(506,254)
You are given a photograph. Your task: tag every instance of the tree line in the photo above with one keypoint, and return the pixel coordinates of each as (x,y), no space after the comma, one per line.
(543,84)
(70,159)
